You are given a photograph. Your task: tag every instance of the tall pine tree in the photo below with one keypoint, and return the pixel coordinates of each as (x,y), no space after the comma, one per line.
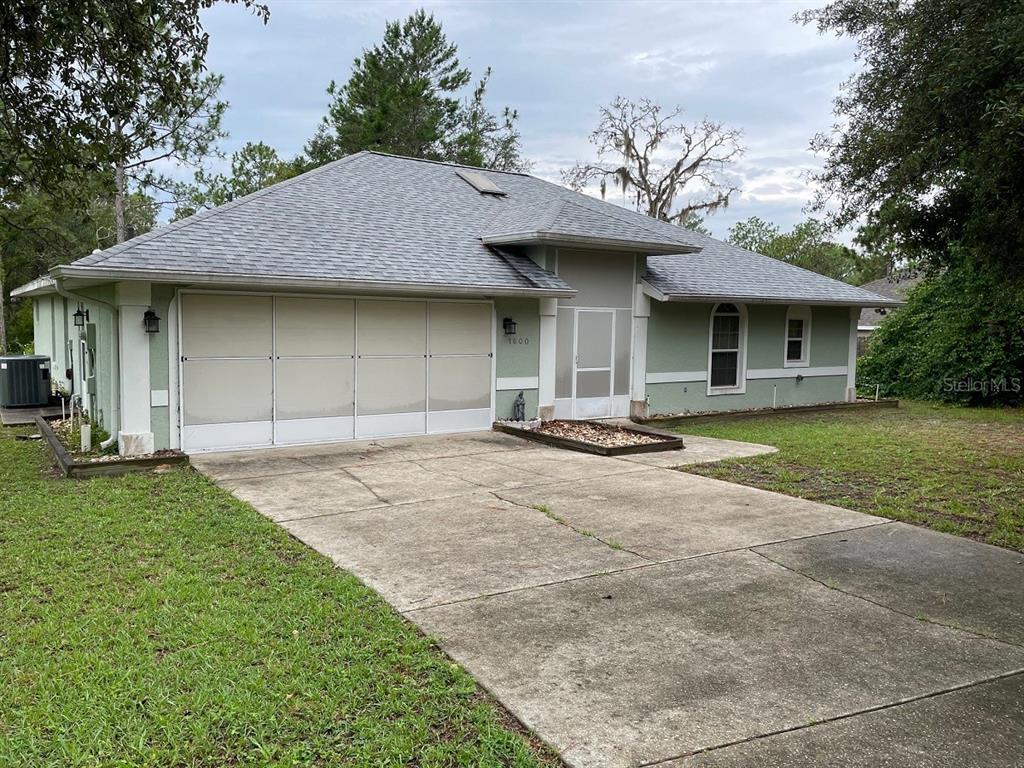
(403,97)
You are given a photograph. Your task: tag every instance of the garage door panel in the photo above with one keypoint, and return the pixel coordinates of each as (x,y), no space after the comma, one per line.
(460,328)
(458,383)
(328,428)
(392,327)
(212,437)
(227,326)
(225,391)
(315,327)
(392,385)
(262,370)
(315,387)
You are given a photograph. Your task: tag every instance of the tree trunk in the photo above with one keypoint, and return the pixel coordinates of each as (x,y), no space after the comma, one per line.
(3,317)
(119,196)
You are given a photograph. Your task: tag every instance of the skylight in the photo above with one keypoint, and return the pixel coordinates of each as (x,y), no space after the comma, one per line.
(479,182)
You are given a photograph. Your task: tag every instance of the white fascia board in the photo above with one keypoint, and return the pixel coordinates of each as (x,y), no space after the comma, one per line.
(323,284)
(653,292)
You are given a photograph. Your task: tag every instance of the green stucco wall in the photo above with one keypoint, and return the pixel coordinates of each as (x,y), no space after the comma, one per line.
(677,342)
(516,356)
(101,404)
(159,378)
(692,396)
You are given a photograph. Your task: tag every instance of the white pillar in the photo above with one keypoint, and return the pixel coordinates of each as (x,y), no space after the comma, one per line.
(546,382)
(638,386)
(851,357)
(135,436)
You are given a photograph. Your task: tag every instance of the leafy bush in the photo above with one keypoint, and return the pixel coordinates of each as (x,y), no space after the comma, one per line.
(960,338)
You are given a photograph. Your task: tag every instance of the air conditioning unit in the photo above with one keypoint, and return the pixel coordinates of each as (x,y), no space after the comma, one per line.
(24,380)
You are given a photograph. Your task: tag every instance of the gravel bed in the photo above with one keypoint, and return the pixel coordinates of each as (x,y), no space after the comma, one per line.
(607,435)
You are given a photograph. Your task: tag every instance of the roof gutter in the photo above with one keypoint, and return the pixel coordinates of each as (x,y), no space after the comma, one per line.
(660,295)
(38,287)
(279,281)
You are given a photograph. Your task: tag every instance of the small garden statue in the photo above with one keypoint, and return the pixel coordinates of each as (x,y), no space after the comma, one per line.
(519,408)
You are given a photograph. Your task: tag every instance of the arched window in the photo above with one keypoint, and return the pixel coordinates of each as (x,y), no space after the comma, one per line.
(727,351)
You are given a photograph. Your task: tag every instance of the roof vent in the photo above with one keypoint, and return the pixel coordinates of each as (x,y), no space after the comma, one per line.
(479,182)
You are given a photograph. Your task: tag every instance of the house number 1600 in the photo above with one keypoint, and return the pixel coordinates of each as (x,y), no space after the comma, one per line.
(516,340)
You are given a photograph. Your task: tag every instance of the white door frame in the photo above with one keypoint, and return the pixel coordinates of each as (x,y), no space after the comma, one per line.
(592,407)
(179,406)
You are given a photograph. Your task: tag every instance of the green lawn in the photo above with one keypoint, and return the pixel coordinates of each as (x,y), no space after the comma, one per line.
(154,620)
(953,469)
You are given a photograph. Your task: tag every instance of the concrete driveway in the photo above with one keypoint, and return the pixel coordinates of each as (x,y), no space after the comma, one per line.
(631,614)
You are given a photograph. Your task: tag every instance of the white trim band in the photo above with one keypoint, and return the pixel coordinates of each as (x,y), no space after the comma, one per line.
(676,377)
(792,373)
(507,383)
(682,377)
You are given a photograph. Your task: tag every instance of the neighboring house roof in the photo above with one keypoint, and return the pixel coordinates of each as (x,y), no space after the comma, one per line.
(892,287)
(374,221)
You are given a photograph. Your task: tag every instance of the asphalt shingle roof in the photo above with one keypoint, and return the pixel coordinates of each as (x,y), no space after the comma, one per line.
(724,271)
(378,218)
(568,220)
(893,287)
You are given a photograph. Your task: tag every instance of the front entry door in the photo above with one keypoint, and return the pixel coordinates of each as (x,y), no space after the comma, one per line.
(592,370)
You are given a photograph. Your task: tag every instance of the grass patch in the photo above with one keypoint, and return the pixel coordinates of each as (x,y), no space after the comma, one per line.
(157,621)
(953,469)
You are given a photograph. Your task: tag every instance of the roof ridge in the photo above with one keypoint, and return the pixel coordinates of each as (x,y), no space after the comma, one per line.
(448,163)
(174,226)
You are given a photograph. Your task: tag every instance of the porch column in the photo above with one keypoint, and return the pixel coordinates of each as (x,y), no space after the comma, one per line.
(851,357)
(546,382)
(135,436)
(638,386)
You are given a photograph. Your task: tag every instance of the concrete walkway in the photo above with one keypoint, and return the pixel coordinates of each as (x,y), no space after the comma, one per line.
(633,615)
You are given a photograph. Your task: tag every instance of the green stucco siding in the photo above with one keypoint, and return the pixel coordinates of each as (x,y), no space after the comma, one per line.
(677,342)
(692,396)
(830,335)
(159,375)
(517,355)
(101,403)
(677,337)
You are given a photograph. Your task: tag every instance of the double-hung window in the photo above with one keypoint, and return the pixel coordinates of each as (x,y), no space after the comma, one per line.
(798,336)
(727,353)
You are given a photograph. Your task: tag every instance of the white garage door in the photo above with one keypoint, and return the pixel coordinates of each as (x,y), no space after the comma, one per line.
(264,370)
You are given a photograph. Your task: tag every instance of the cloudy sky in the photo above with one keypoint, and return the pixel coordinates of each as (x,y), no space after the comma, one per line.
(743,63)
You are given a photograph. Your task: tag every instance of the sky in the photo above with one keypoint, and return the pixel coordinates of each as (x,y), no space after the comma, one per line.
(745,64)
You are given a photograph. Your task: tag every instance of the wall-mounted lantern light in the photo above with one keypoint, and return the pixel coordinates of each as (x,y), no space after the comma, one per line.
(151,321)
(509,325)
(81,317)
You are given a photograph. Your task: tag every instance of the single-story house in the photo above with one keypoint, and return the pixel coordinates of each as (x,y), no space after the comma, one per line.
(381,295)
(895,287)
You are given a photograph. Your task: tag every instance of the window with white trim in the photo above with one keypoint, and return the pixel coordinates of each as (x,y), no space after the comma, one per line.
(728,337)
(798,337)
